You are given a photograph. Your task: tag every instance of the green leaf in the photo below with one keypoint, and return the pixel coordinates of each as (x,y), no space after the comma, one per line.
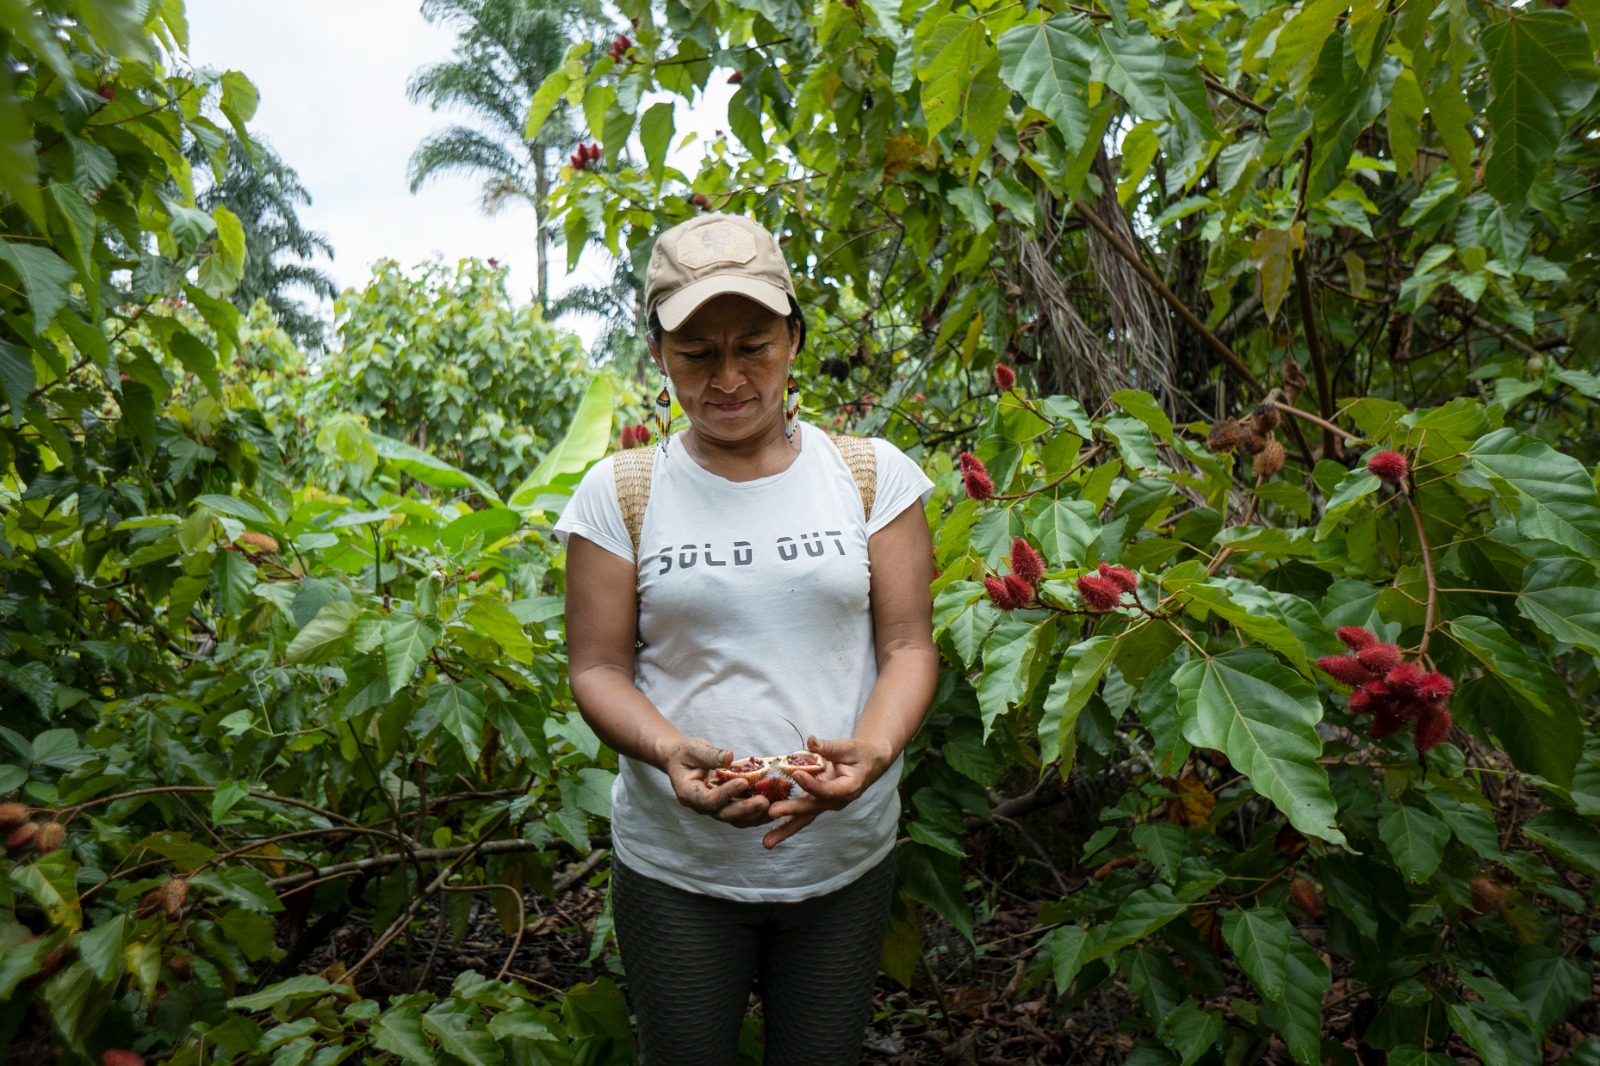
(19,165)
(1008,666)
(1562,597)
(1550,985)
(1299,1016)
(460,713)
(1522,700)
(240,98)
(1260,939)
(407,640)
(197,359)
(1075,682)
(429,469)
(303,986)
(1263,717)
(1570,838)
(545,98)
(323,636)
(1143,406)
(587,438)
(1274,253)
(1268,630)
(490,616)
(16,378)
(1405,121)
(1062,532)
(1070,947)
(947,58)
(1558,501)
(655,134)
(1541,73)
(1481,1032)
(1416,841)
(1048,64)
(101,947)
(1142,913)
(51,881)
(44,276)
(1162,844)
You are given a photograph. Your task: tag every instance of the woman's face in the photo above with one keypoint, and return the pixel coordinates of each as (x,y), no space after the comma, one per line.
(729,364)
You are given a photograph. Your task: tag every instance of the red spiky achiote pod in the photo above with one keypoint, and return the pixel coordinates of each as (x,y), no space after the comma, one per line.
(1026,562)
(1379,658)
(1433,725)
(1345,669)
(1100,594)
(1384,722)
(12,815)
(1487,896)
(1009,592)
(1005,379)
(51,835)
(1356,637)
(1120,576)
(975,478)
(1303,894)
(1390,466)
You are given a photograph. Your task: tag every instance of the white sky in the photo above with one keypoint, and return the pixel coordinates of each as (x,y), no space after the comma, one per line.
(332,76)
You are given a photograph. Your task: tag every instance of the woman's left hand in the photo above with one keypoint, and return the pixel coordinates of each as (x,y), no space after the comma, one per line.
(852,766)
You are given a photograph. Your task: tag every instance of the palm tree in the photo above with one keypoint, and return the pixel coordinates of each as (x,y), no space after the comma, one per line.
(504,49)
(265,192)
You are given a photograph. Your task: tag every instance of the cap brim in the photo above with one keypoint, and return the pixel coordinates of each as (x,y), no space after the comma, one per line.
(675,310)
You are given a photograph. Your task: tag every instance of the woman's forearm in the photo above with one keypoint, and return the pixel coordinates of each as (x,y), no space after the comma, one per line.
(899,700)
(622,717)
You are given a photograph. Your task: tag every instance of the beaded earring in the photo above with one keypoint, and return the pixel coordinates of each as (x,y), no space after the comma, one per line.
(663,414)
(791,407)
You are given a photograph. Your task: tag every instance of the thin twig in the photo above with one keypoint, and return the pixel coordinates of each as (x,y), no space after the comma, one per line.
(1427,566)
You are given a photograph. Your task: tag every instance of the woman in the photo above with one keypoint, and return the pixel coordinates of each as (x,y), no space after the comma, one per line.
(761,594)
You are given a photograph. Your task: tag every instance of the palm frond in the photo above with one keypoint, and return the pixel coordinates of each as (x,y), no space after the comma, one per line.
(456,149)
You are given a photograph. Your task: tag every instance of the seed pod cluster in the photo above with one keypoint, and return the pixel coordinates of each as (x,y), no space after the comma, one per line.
(771,776)
(1256,434)
(1389,689)
(1103,591)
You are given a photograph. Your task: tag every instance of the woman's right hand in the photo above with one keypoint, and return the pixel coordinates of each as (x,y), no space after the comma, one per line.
(690,767)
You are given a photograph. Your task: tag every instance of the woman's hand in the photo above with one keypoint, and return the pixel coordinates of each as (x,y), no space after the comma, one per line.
(690,766)
(852,766)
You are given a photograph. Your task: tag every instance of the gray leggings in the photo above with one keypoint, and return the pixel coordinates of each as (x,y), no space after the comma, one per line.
(691,961)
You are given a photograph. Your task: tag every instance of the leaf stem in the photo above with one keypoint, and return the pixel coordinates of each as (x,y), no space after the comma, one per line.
(1431,611)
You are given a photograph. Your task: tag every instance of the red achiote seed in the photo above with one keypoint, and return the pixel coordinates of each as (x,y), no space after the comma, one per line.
(1389,465)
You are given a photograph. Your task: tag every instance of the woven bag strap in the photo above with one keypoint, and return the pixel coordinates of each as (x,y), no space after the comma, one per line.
(862,459)
(633,468)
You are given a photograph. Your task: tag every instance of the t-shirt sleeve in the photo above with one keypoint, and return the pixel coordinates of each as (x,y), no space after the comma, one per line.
(594,514)
(901,484)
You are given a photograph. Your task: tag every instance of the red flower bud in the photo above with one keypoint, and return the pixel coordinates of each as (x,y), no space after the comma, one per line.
(1390,466)
(1379,658)
(1004,593)
(1026,562)
(1355,637)
(1005,379)
(1344,669)
(1436,688)
(1099,594)
(1120,576)
(1432,727)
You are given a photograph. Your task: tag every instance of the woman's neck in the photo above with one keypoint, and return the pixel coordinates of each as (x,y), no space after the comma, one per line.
(746,460)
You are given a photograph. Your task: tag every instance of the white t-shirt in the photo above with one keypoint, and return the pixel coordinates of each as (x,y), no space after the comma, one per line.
(753,608)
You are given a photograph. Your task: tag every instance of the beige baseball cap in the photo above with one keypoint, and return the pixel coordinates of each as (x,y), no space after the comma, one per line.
(711,255)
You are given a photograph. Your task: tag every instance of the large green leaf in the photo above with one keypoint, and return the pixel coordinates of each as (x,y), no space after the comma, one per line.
(1562,597)
(16,378)
(44,276)
(947,61)
(587,438)
(1415,839)
(1260,939)
(1264,628)
(1134,65)
(1298,1017)
(1263,717)
(1541,73)
(323,637)
(407,640)
(1008,661)
(429,469)
(1551,492)
(1522,700)
(1076,680)
(460,713)
(1048,64)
